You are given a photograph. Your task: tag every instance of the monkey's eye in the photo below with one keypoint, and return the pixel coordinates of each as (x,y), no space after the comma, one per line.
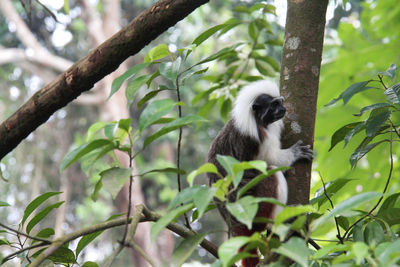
(255,107)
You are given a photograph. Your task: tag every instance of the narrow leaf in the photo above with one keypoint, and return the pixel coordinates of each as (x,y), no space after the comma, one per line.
(390,72)
(176,124)
(359,153)
(350,92)
(207,167)
(292,211)
(168,218)
(393,94)
(4,204)
(185,249)
(36,203)
(85,240)
(340,134)
(116,84)
(374,124)
(373,107)
(84,149)
(206,34)
(40,216)
(135,85)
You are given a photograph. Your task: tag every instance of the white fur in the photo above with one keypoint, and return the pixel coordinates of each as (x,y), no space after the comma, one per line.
(270,149)
(242,113)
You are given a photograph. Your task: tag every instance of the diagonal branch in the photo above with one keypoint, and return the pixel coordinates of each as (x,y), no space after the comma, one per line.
(90,69)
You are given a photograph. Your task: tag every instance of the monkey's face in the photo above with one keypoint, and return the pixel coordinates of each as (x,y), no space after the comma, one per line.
(268,109)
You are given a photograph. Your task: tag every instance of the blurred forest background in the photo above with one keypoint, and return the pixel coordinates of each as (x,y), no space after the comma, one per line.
(41,40)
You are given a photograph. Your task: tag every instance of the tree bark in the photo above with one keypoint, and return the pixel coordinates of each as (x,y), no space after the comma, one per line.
(90,69)
(301,62)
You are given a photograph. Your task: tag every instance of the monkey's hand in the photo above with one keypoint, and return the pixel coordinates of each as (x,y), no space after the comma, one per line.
(302,152)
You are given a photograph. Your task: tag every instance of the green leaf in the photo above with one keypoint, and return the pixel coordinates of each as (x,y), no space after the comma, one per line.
(207,167)
(85,240)
(170,70)
(391,216)
(148,96)
(116,84)
(45,233)
(374,234)
(292,211)
(346,205)
(253,182)
(185,249)
(373,107)
(219,54)
(94,128)
(4,242)
(241,9)
(295,249)
(265,68)
(176,124)
(203,198)
(331,188)
(36,203)
(253,31)
(63,255)
(360,250)
(206,34)
(114,179)
(244,210)
(84,149)
(350,92)
(4,204)
(358,235)
(40,216)
(389,202)
(168,218)
(268,60)
(125,124)
(195,214)
(352,132)
(340,134)
(185,196)
(228,251)
(393,94)
(165,170)
(66,9)
(326,250)
(374,124)
(135,85)
(227,163)
(154,111)
(361,152)
(157,53)
(90,264)
(390,255)
(391,72)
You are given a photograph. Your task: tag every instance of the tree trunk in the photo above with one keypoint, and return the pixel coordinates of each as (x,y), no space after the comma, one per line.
(301,61)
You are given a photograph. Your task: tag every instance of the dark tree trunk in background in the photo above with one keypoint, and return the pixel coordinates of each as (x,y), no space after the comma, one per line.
(301,61)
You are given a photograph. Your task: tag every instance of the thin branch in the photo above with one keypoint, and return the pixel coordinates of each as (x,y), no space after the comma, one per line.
(142,253)
(330,201)
(146,216)
(12,255)
(178,156)
(346,234)
(24,234)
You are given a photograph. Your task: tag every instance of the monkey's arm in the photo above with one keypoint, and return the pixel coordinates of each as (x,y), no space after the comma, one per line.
(286,157)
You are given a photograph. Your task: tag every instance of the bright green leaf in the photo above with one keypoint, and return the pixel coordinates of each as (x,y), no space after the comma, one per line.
(229,249)
(203,198)
(135,85)
(292,211)
(244,210)
(157,53)
(90,264)
(373,233)
(4,204)
(207,167)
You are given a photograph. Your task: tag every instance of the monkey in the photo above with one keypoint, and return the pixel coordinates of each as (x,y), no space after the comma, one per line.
(254,133)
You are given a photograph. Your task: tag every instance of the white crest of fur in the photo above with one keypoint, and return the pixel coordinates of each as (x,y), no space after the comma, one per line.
(242,113)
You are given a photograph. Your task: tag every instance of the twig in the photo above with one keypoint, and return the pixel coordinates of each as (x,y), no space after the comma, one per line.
(384,190)
(24,234)
(12,255)
(330,201)
(133,245)
(178,156)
